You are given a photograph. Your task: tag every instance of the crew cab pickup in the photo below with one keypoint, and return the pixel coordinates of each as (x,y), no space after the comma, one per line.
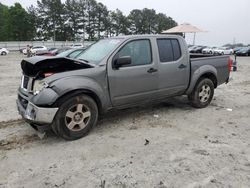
(67,95)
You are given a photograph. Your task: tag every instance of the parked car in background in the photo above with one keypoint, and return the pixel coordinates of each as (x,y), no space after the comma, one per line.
(192,48)
(236,49)
(21,50)
(224,51)
(198,49)
(71,53)
(36,50)
(4,51)
(76,46)
(244,52)
(39,50)
(56,51)
(208,50)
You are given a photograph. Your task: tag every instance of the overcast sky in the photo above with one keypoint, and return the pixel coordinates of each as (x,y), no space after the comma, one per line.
(224,20)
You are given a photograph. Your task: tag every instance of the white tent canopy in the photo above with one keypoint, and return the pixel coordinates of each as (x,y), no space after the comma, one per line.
(184,28)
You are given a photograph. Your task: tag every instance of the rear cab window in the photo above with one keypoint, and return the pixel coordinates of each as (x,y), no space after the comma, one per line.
(169,49)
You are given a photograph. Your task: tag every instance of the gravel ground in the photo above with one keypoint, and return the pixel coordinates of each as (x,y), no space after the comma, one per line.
(165,145)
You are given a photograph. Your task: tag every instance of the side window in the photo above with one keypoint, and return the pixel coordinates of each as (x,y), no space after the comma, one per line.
(165,50)
(169,49)
(176,49)
(138,50)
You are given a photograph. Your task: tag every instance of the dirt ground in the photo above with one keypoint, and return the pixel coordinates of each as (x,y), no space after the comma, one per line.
(186,147)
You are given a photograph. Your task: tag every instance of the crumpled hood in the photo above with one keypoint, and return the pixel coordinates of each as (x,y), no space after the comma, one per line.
(37,65)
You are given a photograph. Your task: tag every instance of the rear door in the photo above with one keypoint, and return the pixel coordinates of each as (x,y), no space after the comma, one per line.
(137,82)
(174,66)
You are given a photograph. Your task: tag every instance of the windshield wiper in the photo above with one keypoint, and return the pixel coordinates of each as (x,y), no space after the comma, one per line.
(84,60)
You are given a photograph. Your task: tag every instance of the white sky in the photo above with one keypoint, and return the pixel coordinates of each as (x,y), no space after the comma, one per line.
(225,20)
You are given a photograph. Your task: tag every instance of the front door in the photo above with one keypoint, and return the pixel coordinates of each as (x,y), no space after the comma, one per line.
(136,82)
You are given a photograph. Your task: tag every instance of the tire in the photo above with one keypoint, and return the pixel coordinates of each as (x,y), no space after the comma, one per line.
(3,53)
(76,116)
(202,94)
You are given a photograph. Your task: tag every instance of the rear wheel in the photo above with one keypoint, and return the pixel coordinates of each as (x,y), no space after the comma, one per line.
(75,117)
(202,94)
(3,53)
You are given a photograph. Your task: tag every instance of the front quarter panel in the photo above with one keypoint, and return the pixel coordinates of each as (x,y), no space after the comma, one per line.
(69,84)
(45,98)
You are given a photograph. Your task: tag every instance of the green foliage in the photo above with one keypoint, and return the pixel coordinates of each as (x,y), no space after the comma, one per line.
(146,21)
(4,26)
(51,19)
(76,20)
(15,23)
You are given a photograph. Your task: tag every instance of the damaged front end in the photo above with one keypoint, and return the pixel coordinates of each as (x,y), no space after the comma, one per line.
(35,88)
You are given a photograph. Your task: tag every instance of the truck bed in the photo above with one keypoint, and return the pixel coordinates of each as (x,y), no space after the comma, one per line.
(219,62)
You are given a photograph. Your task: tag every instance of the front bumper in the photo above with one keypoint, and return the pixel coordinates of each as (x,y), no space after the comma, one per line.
(36,115)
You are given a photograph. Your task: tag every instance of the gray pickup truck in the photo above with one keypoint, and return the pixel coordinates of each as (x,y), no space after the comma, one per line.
(67,95)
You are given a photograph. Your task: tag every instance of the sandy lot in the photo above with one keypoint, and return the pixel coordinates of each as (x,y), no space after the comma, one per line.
(187,147)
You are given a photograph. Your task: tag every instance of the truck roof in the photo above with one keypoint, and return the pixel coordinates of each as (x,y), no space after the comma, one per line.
(143,36)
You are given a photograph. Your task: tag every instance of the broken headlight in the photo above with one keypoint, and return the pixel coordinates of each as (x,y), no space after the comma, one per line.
(38,86)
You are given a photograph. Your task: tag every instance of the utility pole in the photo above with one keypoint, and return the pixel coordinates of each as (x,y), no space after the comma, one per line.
(54,34)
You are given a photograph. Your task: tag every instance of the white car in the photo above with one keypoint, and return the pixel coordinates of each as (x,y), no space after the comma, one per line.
(209,50)
(4,51)
(36,50)
(224,51)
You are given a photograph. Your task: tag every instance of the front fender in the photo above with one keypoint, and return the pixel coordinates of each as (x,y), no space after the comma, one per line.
(69,84)
(46,97)
(198,73)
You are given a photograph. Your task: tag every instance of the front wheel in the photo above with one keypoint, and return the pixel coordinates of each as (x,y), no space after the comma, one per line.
(202,94)
(3,53)
(75,117)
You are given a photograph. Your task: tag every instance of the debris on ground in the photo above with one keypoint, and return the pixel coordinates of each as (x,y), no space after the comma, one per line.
(146,142)
(156,116)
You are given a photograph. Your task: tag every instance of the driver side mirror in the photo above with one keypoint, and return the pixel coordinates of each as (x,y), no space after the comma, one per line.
(121,61)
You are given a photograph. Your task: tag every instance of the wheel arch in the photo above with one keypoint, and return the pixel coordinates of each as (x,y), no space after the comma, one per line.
(210,76)
(210,73)
(76,92)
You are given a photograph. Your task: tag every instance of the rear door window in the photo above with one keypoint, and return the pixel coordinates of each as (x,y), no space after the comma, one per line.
(169,50)
(176,49)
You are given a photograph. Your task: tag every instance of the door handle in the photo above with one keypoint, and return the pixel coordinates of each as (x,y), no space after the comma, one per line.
(152,70)
(182,66)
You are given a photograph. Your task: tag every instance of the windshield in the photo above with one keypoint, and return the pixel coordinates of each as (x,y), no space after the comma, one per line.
(99,50)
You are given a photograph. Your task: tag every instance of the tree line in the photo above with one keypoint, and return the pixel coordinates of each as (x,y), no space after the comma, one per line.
(76,20)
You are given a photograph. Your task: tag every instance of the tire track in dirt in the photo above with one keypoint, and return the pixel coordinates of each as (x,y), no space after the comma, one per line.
(15,141)
(11,123)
